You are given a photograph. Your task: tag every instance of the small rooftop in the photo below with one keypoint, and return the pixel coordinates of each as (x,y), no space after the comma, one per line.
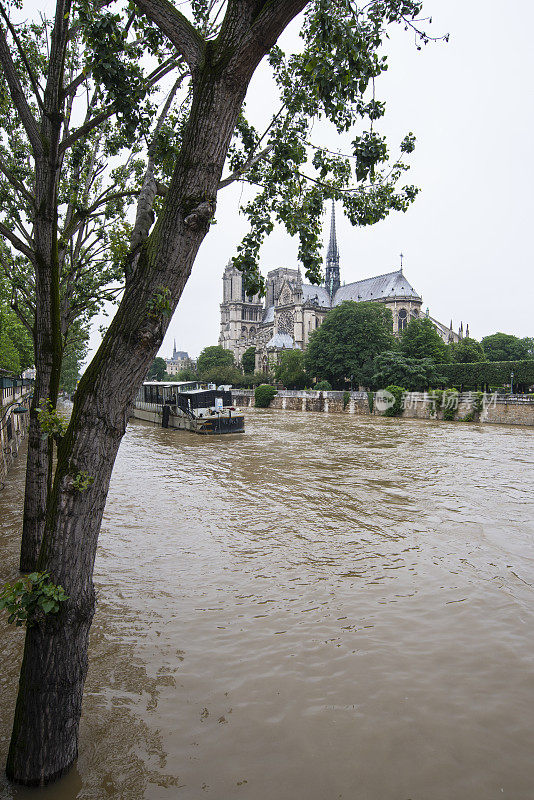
(281,341)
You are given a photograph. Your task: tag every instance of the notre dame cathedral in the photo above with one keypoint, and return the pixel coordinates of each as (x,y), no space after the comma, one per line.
(293,309)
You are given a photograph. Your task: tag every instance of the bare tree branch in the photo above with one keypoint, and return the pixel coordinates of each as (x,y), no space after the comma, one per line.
(86,128)
(18,185)
(73,85)
(16,242)
(17,95)
(176,27)
(235,176)
(22,53)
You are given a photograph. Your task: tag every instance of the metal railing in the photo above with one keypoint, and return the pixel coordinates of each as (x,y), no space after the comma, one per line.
(310,393)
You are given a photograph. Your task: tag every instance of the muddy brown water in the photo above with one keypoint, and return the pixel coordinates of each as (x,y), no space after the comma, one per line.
(324,607)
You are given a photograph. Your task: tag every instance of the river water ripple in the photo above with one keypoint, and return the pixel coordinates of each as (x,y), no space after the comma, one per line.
(324,607)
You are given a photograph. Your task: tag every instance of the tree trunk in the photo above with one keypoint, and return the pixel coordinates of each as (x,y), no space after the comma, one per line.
(47,325)
(40,447)
(48,355)
(45,735)
(54,666)
(36,490)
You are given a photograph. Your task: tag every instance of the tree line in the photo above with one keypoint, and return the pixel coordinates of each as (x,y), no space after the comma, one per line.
(355,345)
(17,352)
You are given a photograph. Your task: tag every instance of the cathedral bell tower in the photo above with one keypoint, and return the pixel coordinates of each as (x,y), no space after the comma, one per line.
(332,280)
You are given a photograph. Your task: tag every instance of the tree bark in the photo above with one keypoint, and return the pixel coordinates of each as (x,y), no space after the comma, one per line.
(45,734)
(47,326)
(48,355)
(52,708)
(37,478)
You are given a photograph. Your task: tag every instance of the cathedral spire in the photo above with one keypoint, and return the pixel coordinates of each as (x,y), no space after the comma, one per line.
(332,258)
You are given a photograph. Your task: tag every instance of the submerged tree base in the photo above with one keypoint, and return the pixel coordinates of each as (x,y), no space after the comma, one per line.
(40,782)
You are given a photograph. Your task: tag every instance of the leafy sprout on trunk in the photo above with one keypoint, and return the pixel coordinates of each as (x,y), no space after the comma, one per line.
(51,421)
(26,597)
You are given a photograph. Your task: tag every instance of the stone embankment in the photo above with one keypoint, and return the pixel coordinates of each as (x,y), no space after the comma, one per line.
(496,409)
(13,426)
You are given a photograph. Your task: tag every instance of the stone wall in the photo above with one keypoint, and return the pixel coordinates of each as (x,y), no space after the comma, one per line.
(13,427)
(498,410)
(327,402)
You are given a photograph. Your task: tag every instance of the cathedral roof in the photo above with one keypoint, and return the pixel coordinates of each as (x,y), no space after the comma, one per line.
(381,287)
(309,293)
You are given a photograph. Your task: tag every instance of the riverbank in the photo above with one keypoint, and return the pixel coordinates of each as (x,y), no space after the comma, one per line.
(496,409)
(13,424)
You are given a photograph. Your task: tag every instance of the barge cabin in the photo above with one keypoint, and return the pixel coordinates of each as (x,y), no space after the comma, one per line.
(186,405)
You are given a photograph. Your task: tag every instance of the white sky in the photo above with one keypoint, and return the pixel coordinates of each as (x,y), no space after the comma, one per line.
(465,239)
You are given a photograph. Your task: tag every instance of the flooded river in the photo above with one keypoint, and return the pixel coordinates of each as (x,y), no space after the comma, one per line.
(324,607)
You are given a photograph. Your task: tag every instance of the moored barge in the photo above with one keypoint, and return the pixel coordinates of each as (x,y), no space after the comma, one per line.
(189,407)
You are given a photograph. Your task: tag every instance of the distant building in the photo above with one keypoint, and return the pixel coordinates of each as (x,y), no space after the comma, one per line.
(293,310)
(180,360)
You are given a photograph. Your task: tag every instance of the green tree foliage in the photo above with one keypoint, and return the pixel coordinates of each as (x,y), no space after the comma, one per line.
(290,371)
(9,357)
(263,395)
(157,369)
(227,374)
(420,339)
(416,374)
(504,347)
(111,98)
(73,357)
(395,410)
(16,346)
(340,59)
(250,380)
(18,335)
(213,357)
(323,386)
(187,374)
(248,362)
(467,351)
(490,373)
(29,596)
(351,335)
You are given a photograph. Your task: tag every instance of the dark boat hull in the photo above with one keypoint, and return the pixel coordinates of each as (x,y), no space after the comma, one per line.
(207,426)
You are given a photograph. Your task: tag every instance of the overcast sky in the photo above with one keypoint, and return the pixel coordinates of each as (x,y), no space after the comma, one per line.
(466,239)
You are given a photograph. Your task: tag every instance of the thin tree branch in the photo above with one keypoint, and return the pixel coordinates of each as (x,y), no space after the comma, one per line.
(22,230)
(18,185)
(73,85)
(105,114)
(86,128)
(235,176)
(22,53)
(82,216)
(16,242)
